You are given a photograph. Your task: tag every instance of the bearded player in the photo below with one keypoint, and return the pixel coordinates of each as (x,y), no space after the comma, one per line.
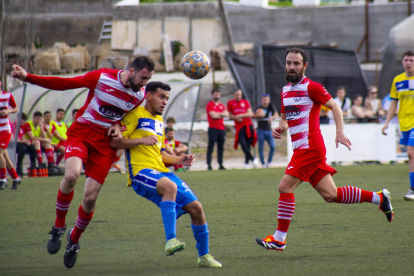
(301,104)
(112,93)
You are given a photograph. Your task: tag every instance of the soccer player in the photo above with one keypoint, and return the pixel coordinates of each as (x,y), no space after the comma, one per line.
(112,93)
(7,106)
(24,145)
(301,103)
(402,92)
(74,112)
(216,112)
(145,154)
(241,112)
(59,136)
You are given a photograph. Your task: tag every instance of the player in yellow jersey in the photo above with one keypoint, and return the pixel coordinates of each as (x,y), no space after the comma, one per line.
(59,136)
(402,91)
(143,129)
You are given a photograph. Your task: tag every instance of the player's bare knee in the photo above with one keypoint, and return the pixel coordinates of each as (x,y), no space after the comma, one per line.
(283,187)
(196,209)
(71,177)
(330,198)
(88,202)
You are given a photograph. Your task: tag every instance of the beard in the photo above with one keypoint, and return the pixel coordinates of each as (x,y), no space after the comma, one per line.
(158,113)
(134,86)
(295,78)
(216,99)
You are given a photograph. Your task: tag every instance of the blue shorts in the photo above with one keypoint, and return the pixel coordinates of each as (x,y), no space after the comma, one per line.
(407,138)
(145,182)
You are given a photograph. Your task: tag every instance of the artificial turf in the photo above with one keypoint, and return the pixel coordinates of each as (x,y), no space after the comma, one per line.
(126,236)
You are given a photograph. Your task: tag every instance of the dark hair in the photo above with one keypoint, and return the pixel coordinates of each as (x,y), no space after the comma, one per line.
(60,110)
(214,91)
(297,50)
(340,88)
(143,62)
(24,116)
(45,113)
(357,96)
(37,114)
(74,111)
(408,53)
(152,87)
(170,119)
(167,129)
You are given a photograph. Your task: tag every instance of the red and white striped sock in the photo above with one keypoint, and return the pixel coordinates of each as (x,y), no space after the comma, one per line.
(39,156)
(81,223)
(62,205)
(13,173)
(49,155)
(284,215)
(351,195)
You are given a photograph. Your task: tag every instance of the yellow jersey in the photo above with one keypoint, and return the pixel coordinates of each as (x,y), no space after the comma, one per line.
(62,129)
(139,123)
(35,130)
(402,89)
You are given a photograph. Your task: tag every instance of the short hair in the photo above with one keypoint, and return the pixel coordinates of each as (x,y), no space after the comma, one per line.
(37,114)
(46,112)
(340,88)
(357,96)
(60,110)
(297,50)
(153,86)
(24,116)
(214,91)
(408,53)
(170,120)
(143,62)
(168,129)
(74,111)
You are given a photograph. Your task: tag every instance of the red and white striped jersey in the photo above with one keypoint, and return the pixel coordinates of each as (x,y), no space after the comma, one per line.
(302,103)
(6,102)
(108,99)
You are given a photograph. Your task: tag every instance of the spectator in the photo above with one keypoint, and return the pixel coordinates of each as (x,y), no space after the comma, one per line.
(342,101)
(48,127)
(361,113)
(241,112)
(372,103)
(59,135)
(216,112)
(265,113)
(35,132)
(23,146)
(324,115)
(170,122)
(178,148)
(74,112)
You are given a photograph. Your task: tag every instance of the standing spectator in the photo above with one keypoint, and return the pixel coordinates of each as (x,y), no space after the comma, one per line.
(265,113)
(216,112)
(343,102)
(372,103)
(241,112)
(324,115)
(74,112)
(23,146)
(361,113)
(178,149)
(59,136)
(402,92)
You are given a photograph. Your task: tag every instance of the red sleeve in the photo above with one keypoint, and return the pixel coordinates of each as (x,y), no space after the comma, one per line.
(12,103)
(177,143)
(26,127)
(88,80)
(318,93)
(282,106)
(247,104)
(229,107)
(209,107)
(53,128)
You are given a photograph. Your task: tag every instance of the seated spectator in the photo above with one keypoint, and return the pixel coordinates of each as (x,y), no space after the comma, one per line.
(361,113)
(374,104)
(59,135)
(24,145)
(35,132)
(170,123)
(178,149)
(342,101)
(74,112)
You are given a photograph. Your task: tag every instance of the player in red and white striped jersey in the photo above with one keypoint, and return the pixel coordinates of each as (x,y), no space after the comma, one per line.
(7,106)
(301,104)
(112,93)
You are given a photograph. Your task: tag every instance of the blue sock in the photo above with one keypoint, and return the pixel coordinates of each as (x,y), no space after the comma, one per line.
(201,236)
(412,180)
(168,218)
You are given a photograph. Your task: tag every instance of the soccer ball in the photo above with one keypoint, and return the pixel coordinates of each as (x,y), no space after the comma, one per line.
(195,65)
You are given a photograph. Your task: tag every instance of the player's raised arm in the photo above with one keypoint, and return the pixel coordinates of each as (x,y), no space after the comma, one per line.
(339,122)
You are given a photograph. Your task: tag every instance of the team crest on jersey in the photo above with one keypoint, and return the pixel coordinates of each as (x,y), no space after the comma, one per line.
(123,128)
(129,104)
(292,112)
(242,104)
(297,98)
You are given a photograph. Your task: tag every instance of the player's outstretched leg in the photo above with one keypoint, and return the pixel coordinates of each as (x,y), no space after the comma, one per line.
(72,250)
(201,234)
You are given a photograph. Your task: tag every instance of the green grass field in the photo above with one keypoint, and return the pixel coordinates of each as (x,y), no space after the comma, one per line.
(126,236)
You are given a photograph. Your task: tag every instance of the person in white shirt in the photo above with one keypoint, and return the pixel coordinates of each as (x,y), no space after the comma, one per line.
(343,102)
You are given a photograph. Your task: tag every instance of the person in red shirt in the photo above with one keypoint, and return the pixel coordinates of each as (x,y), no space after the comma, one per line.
(24,145)
(301,104)
(112,93)
(241,112)
(216,112)
(177,148)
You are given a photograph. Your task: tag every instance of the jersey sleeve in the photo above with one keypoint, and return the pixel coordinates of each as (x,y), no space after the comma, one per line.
(318,93)
(12,102)
(393,93)
(247,104)
(88,80)
(177,143)
(282,106)
(128,124)
(26,128)
(209,107)
(229,107)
